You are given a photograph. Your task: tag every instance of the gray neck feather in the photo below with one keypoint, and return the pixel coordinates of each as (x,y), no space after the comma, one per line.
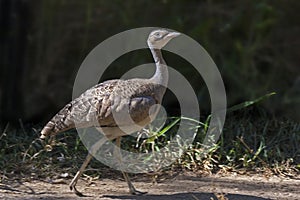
(161,75)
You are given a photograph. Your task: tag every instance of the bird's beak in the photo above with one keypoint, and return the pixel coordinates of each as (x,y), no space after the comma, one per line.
(173,34)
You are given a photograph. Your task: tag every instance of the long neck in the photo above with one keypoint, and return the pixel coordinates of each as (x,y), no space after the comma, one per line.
(161,75)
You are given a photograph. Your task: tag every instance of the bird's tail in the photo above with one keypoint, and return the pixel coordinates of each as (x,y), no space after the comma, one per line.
(48,130)
(59,123)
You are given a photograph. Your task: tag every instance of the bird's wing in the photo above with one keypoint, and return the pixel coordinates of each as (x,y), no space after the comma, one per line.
(140,109)
(82,111)
(97,106)
(93,104)
(132,100)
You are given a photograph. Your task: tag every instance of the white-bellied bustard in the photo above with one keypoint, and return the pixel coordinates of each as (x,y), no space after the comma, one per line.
(103,101)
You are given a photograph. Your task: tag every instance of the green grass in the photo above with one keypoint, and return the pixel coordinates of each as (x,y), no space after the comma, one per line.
(252,141)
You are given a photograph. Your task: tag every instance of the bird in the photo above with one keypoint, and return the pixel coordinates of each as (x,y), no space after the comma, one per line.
(101,103)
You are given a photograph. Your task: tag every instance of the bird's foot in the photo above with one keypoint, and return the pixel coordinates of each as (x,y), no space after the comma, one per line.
(73,189)
(137,192)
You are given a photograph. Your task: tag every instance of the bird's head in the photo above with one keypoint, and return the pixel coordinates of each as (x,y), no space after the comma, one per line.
(159,38)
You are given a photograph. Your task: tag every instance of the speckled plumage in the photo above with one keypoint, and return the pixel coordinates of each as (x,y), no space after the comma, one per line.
(114,105)
(95,106)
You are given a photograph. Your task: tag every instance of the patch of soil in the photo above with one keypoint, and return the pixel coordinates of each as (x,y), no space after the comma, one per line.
(183,186)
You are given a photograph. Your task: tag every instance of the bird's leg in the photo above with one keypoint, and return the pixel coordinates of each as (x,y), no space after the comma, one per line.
(117,153)
(88,158)
(132,189)
(78,174)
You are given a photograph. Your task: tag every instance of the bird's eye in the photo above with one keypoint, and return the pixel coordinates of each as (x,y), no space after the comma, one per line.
(157,34)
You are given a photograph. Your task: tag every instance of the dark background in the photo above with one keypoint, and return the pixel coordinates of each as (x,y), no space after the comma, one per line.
(255,44)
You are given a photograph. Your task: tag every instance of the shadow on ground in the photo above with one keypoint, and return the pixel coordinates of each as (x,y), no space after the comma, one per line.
(188,196)
(181,187)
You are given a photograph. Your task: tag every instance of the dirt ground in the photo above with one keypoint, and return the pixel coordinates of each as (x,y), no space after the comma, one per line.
(183,186)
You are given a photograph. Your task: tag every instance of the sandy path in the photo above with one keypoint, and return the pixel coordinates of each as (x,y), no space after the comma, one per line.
(180,187)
